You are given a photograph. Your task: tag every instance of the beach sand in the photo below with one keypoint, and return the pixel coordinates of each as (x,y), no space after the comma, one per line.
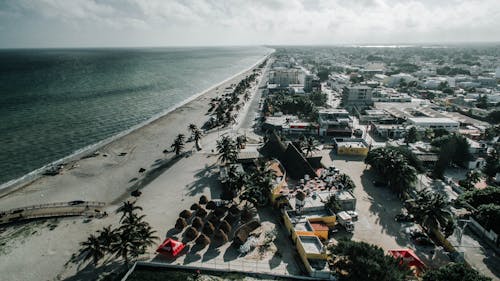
(40,250)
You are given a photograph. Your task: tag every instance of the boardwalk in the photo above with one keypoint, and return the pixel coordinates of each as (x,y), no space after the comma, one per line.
(59,209)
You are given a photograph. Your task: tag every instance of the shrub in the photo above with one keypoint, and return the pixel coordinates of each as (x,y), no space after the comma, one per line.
(191,233)
(208,228)
(203,200)
(197,223)
(185,214)
(180,224)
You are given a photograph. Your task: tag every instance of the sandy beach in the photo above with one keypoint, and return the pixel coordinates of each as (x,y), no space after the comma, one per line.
(40,250)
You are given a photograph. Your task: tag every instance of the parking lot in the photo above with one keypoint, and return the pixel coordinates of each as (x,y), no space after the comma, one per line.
(377,208)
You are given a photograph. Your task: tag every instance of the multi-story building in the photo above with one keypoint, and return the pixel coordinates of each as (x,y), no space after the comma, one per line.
(423,123)
(334,122)
(284,76)
(357,96)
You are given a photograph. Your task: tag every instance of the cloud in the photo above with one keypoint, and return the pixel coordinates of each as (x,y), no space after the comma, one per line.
(266,21)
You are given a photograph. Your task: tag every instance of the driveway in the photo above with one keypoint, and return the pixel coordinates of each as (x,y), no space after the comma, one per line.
(377,207)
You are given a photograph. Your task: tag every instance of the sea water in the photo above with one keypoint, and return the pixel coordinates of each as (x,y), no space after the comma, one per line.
(54,102)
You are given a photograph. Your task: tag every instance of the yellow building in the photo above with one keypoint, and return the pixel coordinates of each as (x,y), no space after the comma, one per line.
(356,147)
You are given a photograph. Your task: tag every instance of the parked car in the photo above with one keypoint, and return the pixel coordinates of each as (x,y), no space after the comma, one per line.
(353,214)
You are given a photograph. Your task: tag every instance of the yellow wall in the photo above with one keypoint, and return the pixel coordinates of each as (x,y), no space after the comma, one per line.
(329,220)
(359,151)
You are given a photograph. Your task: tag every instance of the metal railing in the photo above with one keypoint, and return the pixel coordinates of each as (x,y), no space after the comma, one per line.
(56,204)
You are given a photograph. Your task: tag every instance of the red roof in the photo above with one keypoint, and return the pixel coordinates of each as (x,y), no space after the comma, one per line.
(409,257)
(170,247)
(319,226)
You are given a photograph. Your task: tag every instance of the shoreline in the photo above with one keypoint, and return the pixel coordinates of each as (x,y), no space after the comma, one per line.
(13,185)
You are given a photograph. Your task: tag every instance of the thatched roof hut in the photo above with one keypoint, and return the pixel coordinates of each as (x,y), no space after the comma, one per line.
(208,228)
(191,233)
(225,226)
(221,236)
(197,223)
(180,224)
(185,214)
(195,207)
(201,212)
(203,200)
(202,240)
(211,205)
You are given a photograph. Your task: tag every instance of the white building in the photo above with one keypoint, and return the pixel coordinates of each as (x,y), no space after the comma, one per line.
(357,95)
(284,76)
(334,122)
(395,79)
(423,123)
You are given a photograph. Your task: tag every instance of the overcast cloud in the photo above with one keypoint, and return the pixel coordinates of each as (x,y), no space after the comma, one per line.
(74,23)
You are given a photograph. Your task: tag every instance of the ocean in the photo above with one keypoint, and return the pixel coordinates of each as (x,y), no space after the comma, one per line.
(54,102)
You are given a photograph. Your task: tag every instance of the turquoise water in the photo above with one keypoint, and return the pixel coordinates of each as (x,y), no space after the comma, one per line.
(56,101)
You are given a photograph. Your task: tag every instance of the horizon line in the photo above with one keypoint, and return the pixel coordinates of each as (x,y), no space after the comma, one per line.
(397,44)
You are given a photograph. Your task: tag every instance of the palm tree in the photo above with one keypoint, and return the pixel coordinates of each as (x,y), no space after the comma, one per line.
(431,210)
(471,179)
(227,150)
(393,167)
(197,137)
(108,237)
(92,249)
(310,146)
(259,185)
(127,208)
(178,144)
(240,141)
(134,237)
(346,182)
(192,127)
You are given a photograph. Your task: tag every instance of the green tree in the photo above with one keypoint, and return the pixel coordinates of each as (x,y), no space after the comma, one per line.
(492,164)
(323,74)
(432,212)
(310,146)
(411,135)
(488,215)
(482,102)
(455,272)
(452,148)
(393,167)
(333,203)
(197,137)
(346,182)
(228,152)
(192,128)
(241,140)
(259,185)
(354,261)
(178,144)
(134,237)
(92,249)
(478,197)
(127,209)
(471,179)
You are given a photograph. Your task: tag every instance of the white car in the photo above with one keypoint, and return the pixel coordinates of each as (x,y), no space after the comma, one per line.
(353,214)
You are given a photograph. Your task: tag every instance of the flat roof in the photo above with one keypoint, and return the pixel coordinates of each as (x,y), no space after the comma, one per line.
(333,110)
(431,120)
(311,244)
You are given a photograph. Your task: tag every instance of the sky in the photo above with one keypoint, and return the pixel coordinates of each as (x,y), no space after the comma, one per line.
(111,23)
